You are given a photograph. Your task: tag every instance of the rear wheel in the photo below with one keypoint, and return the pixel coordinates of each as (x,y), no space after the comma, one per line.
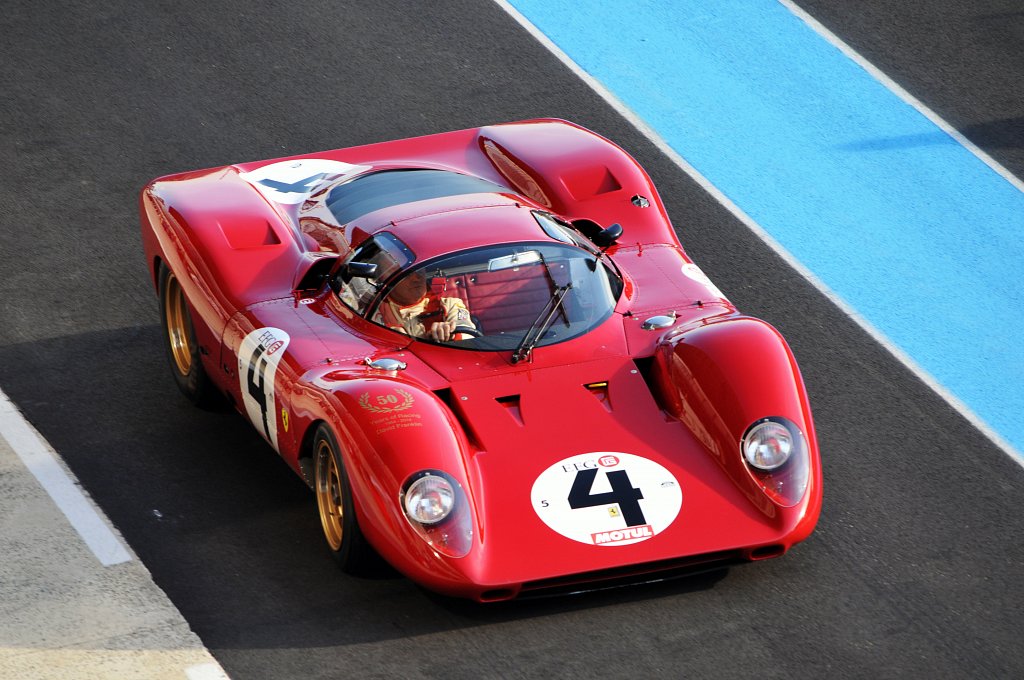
(336,506)
(181,345)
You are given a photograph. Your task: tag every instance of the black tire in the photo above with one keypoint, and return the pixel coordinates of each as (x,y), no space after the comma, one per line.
(181,346)
(336,507)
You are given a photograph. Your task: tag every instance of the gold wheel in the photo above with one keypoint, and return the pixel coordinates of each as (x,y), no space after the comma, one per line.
(179,325)
(329,498)
(181,347)
(336,505)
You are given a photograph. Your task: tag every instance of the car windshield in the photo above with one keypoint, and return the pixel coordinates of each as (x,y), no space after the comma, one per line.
(499,297)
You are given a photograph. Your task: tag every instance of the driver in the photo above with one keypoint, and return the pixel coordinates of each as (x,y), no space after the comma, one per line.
(413,309)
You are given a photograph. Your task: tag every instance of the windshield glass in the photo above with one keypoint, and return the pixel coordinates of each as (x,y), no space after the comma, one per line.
(490,298)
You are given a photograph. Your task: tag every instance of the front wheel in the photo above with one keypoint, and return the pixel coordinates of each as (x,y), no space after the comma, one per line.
(181,345)
(337,507)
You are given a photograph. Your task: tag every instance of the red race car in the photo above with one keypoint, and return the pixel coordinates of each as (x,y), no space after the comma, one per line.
(489,356)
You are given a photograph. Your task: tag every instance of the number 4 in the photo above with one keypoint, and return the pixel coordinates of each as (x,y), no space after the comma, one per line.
(257,390)
(623,492)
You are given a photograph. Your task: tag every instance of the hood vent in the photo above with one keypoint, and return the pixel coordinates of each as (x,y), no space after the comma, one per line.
(511,404)
(448,398)
(600,390)
(645,366)
(244,232)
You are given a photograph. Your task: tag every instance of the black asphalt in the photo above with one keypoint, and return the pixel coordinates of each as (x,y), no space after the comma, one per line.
(915,568)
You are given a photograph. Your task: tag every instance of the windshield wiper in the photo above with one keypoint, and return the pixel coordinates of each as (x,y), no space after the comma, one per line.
(540,324)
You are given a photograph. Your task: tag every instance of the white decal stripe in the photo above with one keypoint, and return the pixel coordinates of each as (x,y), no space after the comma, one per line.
(41,460)
(291,182)
(206,671)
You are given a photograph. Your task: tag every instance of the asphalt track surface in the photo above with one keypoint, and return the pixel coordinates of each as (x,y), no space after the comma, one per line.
(914,570)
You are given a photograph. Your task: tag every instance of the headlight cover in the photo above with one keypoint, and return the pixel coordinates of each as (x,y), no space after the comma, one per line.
(438,510)
(429,499)
(767,445)
(777,458)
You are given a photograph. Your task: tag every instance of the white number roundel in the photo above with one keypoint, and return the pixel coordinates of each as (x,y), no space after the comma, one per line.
(258,357)
(607,498)
(291,182)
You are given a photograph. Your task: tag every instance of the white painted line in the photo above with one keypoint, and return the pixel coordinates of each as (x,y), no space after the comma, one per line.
(41,460)
(768,239)
(206,671)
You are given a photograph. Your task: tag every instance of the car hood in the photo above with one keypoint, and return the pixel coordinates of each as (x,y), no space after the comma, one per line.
(577,468)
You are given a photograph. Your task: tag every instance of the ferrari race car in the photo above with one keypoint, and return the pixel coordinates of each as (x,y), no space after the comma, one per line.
(489,356)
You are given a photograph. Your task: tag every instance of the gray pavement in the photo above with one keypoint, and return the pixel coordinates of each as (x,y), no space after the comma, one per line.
(64,614)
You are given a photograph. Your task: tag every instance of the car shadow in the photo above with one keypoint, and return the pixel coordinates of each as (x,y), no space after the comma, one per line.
(224,526)
(1006,133)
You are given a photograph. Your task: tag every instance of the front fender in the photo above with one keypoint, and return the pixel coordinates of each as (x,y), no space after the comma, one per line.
(389,430)
(719,378)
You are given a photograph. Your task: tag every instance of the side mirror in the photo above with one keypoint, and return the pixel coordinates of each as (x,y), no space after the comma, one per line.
(350,270)
(361,270)
(608,236)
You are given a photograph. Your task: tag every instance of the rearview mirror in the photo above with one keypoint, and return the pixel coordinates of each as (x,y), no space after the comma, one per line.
(513,260)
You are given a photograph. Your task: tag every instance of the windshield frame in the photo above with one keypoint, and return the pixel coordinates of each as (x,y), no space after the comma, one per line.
(556,227)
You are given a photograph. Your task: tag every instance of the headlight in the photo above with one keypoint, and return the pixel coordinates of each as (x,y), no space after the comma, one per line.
(438,510)
(767,445)
(777,459)
(429,499)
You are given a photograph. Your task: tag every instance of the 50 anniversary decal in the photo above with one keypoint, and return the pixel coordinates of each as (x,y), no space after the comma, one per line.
(391,410)
(400,400)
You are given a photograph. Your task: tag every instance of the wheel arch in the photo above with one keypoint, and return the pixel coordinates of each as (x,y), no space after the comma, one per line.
(305,451)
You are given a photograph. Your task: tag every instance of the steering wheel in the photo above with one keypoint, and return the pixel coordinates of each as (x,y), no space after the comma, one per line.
(467,330)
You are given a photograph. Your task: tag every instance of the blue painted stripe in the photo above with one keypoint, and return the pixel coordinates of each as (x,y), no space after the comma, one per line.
(912,230)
